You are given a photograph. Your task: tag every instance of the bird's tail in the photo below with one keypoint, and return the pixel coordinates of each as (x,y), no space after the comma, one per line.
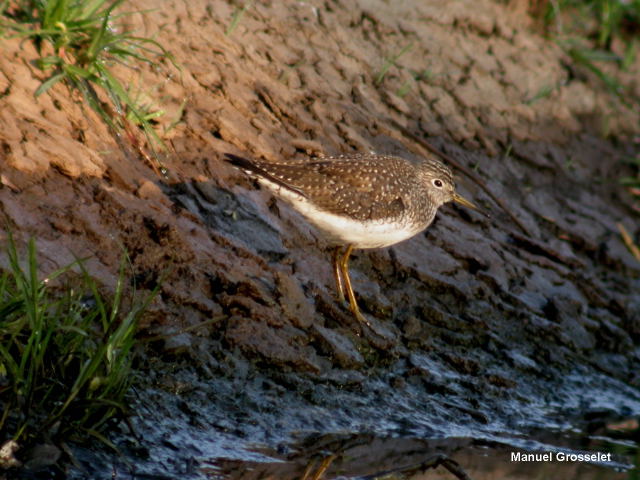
(242,163)
(256,170)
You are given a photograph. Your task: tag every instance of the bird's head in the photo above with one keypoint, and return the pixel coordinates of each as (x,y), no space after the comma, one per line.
(440,185)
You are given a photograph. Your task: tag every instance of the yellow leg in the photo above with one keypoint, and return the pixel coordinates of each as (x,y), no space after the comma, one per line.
(353,304)
(337,275)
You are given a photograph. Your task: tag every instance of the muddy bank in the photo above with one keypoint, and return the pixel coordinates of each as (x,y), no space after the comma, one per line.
(482,330)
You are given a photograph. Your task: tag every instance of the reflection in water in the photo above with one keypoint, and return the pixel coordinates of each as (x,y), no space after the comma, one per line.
(368,457)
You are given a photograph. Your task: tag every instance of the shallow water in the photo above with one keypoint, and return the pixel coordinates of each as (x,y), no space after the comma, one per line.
(366,457)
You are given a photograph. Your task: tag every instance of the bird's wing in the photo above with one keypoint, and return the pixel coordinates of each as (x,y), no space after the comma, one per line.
(368,188)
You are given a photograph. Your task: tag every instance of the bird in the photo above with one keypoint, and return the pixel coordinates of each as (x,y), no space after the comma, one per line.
(359,201)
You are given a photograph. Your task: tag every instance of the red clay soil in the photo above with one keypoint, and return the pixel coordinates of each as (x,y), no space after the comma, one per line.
(295,79)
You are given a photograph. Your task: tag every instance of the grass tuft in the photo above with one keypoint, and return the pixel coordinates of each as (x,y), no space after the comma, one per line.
(80,41)
(599,20)
(65,351)
(597,31)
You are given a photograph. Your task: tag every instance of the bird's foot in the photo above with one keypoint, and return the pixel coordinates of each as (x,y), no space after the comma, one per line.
(361,318)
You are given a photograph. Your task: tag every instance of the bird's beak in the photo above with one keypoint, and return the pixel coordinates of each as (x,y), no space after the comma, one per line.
(463,201)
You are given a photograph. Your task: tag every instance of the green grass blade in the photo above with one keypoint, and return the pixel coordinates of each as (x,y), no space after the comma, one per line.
(98,41)
(237,16)
(49,83)
(389,62)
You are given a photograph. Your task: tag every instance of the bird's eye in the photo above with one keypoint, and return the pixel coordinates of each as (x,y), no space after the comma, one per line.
(437,183)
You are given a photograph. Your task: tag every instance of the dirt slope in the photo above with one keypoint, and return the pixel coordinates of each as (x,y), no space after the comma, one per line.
(496,307)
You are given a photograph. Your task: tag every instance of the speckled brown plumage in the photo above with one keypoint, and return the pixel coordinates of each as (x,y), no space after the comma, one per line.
(363,187)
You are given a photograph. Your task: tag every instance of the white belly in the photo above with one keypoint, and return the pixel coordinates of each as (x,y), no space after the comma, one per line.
(340,230)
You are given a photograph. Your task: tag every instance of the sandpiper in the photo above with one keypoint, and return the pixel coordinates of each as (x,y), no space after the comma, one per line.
(359,201)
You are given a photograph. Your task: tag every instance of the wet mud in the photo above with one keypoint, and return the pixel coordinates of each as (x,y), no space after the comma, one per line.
(487,337)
